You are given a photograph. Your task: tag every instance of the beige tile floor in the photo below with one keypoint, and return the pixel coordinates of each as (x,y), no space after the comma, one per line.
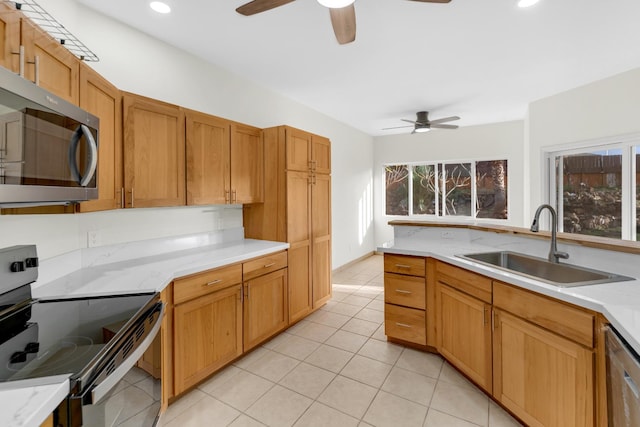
(335,368)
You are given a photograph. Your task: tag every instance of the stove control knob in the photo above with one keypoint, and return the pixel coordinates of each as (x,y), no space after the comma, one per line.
(32,347)
(18,357)
(31,262)
(17,266)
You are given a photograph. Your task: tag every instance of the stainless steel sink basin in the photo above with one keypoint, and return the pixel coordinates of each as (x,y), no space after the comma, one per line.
(562,275)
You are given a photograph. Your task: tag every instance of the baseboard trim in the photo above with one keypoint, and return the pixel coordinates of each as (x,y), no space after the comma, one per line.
(355,261)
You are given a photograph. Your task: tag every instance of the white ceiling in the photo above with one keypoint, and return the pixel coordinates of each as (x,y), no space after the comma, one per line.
(483,60)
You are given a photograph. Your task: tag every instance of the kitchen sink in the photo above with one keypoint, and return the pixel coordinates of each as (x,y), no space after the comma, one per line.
(562,275)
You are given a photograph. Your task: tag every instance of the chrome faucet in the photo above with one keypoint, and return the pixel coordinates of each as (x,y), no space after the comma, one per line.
(554,254)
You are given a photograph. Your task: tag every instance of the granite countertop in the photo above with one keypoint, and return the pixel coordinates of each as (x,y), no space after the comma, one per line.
(117,270)
(619,302)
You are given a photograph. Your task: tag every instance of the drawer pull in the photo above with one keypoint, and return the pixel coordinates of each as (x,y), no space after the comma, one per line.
(403,266)
(402,291)
(404,325)
(214,282)
(271,264)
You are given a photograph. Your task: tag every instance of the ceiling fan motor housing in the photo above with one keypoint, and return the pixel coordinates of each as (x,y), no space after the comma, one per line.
(422,117)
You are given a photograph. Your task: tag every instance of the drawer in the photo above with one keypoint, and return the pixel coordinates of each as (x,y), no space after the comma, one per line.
(194,286)
(407,324)
(405,264)
(464,280)
(569,321)
(263,265)
(408,291)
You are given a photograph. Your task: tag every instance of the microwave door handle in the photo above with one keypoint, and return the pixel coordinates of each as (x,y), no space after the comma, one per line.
(93,155)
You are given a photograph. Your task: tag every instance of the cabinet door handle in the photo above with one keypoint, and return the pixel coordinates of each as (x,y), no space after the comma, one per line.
(36,69)
(213,282)
(20,54)
(122,202)
(241,295)
(132,205)
(402,291)
(403,266)
(248,291)
(227,195)
(404,325)
(484,316)
(271,264)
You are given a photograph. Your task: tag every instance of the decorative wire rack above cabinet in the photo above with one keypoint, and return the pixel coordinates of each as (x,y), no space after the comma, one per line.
(39,16)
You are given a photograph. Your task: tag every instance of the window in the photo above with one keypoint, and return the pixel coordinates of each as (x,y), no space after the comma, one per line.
(466,189)
(595,192)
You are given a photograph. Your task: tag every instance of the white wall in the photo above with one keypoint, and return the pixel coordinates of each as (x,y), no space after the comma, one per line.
(486,142)
(137,63)
(603,109)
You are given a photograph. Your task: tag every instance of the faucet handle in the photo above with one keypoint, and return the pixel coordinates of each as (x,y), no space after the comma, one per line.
(559,254)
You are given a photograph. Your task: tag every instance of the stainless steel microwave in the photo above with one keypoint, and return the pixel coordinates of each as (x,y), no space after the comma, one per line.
(48,146)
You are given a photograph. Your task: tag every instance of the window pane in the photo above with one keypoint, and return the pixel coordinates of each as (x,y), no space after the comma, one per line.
(458,189)
(491,189)
(424,190)
(397,189)
(592,193)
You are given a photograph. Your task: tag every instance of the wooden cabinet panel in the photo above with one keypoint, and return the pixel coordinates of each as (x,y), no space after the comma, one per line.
(263,265)
(298,207)
(466,281)
(321,269)
(572,322)
(154,150)
(300,298)
(464,338)
(247,164)
(207,156)
(403,290)
(58,68)
(320,155)
(544,379)
(404,323)
(405,264)
(265,307)
(9,36)
(208,335)
(321,238)
(298,150)
(102,99)
(190,287)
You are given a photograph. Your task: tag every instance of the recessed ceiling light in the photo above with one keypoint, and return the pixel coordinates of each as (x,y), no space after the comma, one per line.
(335,4)
(160,7)
(527,3)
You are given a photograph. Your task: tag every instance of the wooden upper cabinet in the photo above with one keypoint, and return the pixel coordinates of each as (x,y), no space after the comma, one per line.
(154,153)
(208,152)
(298,146)
(49,64)
(247,164)
(9,36)
(320,154)
(102,99)
(225,161)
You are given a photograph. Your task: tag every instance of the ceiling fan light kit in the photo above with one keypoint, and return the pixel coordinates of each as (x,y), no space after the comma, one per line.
(336,4)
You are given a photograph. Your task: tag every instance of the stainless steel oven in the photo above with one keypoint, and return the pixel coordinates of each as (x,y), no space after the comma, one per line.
(96,341)
(48,146)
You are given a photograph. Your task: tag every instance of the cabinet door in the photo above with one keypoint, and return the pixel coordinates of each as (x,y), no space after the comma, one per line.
(49,63)
(154,149)
(544,379)
(208,154)
(9,36)
(208,334)
(464,337)
(265,307)
(321,238)
(247,164)
(102,99)
(298,150)
(320,154)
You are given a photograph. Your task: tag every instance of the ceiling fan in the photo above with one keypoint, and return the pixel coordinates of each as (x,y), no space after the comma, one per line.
(343,14)
(423,124)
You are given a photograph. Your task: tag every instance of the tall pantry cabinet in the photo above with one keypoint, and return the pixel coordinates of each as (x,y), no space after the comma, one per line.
(297,210)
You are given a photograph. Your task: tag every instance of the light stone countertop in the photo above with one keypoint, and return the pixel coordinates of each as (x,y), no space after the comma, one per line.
(619,302)
(147,266)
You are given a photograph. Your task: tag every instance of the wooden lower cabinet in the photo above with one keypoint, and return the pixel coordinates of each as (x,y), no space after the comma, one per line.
(207,335)
(265,307)
(543,378)
(464,333)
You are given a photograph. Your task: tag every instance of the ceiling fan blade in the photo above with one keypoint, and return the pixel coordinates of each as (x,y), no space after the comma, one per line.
(444,126)
(409,121)
(444,119)
(257,6)
(433,1)
(397,127)
(344,23)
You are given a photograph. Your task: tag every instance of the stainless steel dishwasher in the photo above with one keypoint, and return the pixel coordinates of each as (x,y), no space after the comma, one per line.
(623,380)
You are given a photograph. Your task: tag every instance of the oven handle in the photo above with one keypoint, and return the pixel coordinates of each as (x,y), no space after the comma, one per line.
(93,155)
(101,387)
